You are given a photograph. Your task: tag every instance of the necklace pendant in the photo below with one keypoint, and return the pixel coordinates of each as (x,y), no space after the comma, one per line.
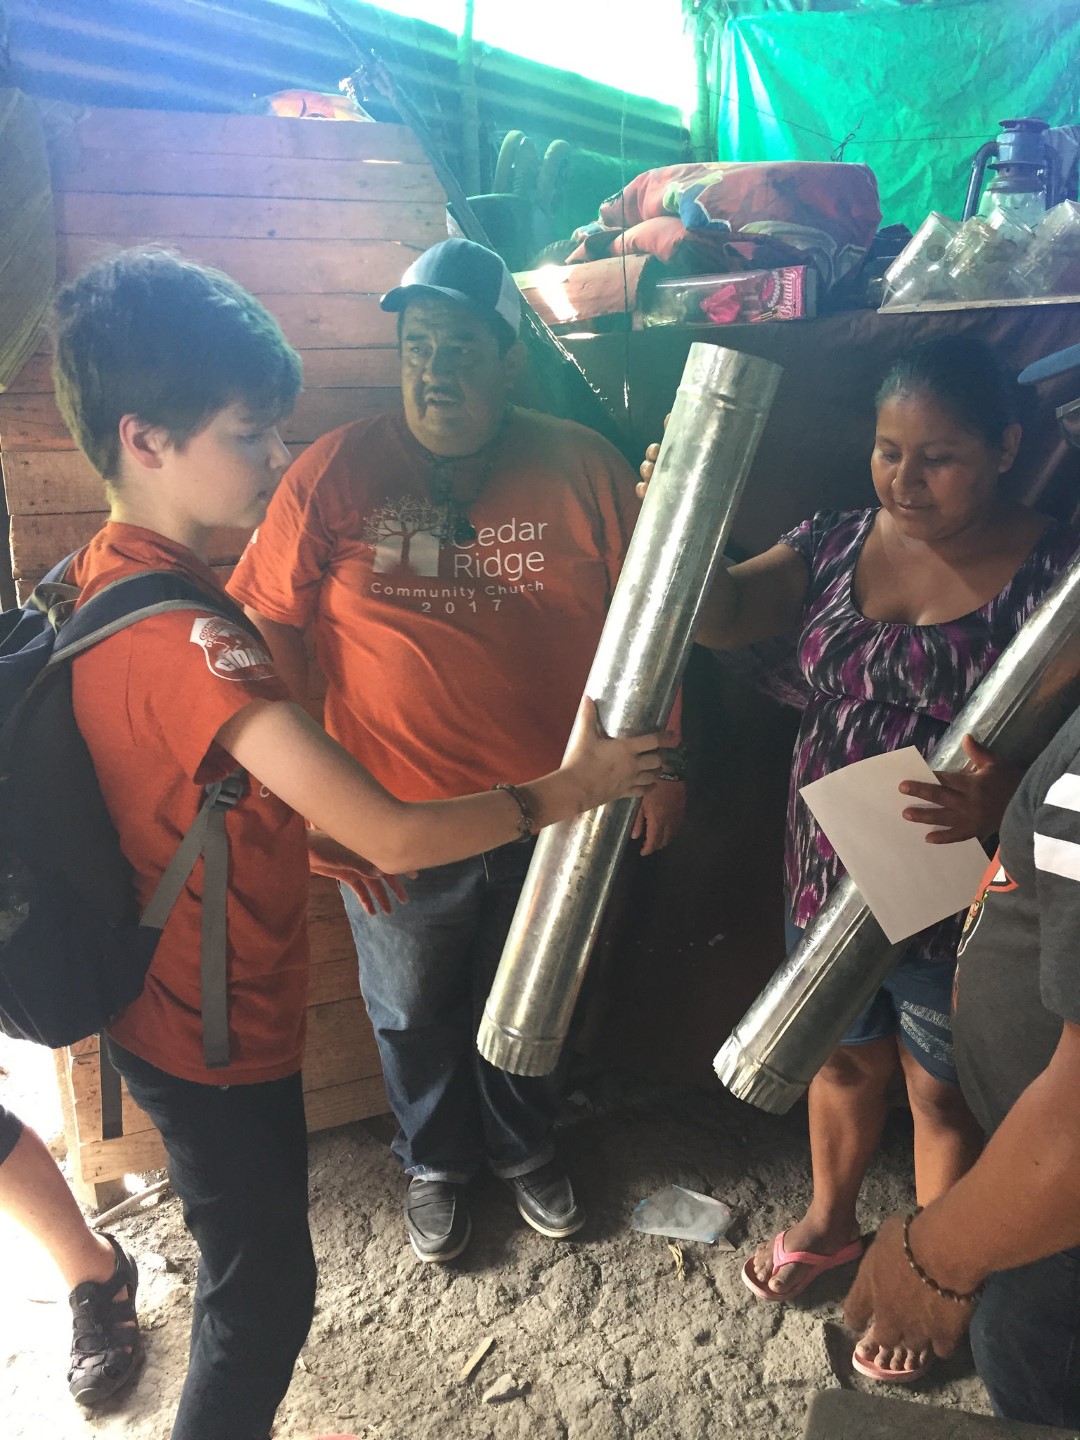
(463,530)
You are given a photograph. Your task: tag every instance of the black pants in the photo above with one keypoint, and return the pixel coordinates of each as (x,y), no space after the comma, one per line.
(238,1162)
(1025,1336)
(11,1129)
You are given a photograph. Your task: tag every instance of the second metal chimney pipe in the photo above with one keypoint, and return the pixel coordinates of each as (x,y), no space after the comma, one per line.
(715,425)
(792,1027)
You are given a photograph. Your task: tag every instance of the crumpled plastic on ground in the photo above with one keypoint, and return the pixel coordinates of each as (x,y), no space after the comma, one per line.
(682,1214)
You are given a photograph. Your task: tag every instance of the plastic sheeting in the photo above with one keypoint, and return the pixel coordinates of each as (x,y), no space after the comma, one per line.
(916,89)
(220,54)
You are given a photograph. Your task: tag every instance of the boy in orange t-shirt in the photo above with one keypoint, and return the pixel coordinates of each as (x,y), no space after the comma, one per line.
(173,381)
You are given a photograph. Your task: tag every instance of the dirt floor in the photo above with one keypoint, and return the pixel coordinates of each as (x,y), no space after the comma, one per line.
(606,1335)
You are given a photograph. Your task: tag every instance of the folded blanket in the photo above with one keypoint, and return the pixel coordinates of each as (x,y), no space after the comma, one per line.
(731,214)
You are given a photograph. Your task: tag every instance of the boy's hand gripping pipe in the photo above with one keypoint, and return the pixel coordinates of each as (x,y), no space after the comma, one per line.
(716,422)
(798,1019)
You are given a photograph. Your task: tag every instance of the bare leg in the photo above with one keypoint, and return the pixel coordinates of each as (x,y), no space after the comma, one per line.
(848,1105)
(948,1140)
(947,1143)
(35,1194)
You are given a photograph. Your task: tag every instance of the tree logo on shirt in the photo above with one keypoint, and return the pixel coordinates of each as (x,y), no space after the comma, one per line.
(231,652)
(405,534)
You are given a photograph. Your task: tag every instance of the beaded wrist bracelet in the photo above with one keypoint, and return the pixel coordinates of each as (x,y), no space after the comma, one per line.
(957,1296)
(527,823)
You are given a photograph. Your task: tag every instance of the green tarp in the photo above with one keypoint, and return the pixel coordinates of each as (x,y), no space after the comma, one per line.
(921,87)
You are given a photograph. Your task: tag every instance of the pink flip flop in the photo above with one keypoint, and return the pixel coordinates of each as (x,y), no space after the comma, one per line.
(873,1371)
(815,1265)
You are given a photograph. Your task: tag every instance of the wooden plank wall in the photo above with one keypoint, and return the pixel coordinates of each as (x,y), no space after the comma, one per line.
(342,1077)
(318,219)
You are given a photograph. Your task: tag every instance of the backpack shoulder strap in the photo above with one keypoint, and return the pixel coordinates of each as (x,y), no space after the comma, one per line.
(124,603)
(137,597)
(206,837)
(52,596)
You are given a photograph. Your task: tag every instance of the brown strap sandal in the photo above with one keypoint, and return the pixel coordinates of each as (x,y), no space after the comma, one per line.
(106,1346)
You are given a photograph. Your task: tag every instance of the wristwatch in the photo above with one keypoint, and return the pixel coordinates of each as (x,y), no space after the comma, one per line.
(674,763)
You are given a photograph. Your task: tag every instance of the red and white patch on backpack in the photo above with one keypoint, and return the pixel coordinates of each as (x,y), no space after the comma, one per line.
(231,652)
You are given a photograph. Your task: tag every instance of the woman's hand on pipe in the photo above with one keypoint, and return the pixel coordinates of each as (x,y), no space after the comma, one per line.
(648,465)
(964,804)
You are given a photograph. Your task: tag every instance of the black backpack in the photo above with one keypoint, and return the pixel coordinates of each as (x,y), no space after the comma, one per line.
(74,950)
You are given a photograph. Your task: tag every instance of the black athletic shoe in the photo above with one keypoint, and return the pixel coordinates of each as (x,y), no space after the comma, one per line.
(437,1219)
(545,1200)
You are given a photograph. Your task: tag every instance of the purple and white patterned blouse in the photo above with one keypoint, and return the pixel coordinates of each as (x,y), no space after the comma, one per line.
(877,685)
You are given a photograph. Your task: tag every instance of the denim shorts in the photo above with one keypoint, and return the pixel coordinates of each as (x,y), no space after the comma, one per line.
(913,1003)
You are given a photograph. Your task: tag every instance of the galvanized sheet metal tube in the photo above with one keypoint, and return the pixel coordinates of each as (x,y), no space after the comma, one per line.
(715,425)
(784,1038)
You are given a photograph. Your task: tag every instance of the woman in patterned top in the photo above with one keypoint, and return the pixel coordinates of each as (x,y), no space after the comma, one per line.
(897,613)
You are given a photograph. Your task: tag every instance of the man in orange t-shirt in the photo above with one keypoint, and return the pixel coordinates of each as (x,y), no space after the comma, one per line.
(453,566)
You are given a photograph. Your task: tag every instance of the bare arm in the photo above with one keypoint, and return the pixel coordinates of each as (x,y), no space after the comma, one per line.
(754,600)
(293,757)
(1018,1203)
(287,649)
(1021,1200)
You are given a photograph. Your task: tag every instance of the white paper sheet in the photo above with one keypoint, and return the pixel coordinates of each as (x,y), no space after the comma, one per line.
(907,883)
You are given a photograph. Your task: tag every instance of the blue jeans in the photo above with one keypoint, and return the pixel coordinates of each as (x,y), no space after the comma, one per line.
(425,973)
(238,1163)
(1025,1336)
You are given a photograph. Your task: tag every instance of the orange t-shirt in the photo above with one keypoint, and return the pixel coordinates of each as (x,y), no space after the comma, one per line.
(450,664)
(149,701)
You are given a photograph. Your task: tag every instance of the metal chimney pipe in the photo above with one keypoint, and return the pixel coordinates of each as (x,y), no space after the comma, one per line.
(716,422)
(798,1019)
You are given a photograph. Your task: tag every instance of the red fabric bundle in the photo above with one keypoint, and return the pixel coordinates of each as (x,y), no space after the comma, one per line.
(701,217)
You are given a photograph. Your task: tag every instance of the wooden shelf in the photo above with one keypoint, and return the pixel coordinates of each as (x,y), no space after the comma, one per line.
(933,307)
